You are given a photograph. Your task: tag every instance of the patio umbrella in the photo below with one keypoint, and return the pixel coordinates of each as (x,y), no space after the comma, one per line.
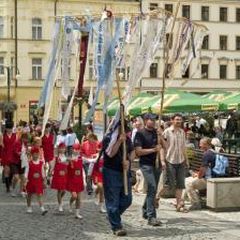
(231,102)
(113,106)
(176,101)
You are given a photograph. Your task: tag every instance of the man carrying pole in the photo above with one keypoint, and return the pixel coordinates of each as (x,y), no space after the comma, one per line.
(113,178)
(118,152)
(147,148)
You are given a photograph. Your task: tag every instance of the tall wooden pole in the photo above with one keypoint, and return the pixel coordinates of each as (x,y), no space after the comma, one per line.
(165,71)
(125,179)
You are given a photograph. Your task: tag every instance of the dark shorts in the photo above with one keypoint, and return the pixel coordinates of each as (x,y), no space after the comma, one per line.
(16,169)
(176,175)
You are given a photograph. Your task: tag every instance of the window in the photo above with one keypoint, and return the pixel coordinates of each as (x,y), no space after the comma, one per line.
(169,7)
(154,70)
(223,14)
(238,43)
(171,40)
(238,72)
(36,68)
(121,70)
(186,11)
(223,42)
(186,75)
(223,71)
(36,28)
(238,15)
(12,27)
(153,6)
(205,44)
(205,13)
(204,71)
(90,68)
(1,65)
(1,27)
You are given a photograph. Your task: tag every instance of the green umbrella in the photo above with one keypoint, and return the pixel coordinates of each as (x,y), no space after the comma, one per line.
(217,95)
(231,102)
(113,106)
(175,101)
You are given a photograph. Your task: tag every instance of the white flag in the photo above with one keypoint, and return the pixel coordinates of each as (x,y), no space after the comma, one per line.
(90,98)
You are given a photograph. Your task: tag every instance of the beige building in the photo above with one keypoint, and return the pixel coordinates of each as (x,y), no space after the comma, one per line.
(35,28)
(219,66)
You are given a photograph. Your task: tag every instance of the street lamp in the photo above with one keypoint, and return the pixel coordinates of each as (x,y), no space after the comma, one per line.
(9,107)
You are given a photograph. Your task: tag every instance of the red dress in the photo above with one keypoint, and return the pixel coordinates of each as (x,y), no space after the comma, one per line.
(75,176)
(97,172)
(35,178)
(8,149)
(59,180)
(17,152)
(48,147)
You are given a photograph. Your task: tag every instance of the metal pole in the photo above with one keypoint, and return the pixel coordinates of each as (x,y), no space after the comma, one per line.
(16,41)
(8,84)
(55,8)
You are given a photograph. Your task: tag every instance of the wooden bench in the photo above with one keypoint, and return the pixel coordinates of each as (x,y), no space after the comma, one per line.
(195,161)
(234,162)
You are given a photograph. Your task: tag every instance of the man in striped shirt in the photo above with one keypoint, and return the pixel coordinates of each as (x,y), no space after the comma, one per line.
(176,158)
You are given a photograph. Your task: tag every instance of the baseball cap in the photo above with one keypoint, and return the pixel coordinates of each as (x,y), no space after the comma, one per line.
(150,116)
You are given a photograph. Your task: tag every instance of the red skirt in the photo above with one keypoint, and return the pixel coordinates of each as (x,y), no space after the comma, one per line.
(75,182)
(59,180)
(35,188)
(75,176)
(97,175)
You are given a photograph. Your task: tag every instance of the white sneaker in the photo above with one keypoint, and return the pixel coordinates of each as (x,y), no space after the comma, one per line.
(29,210)
(97,203)
(23,194)
(102,208)
(60,208)
(70,209)
(77,215)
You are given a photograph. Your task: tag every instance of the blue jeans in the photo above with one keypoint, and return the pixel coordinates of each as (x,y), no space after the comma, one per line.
(115,199)
(151,177)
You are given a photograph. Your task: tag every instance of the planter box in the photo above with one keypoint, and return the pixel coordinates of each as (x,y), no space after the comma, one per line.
(223,194)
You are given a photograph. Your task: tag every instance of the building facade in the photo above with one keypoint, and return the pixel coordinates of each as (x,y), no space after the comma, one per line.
(219,65)
(35,29)
(218,68)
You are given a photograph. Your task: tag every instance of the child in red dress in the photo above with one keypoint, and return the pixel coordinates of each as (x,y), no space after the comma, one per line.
(35,176)
(98,180)
(48,149)
(9,139)
(75,179)
(59,179)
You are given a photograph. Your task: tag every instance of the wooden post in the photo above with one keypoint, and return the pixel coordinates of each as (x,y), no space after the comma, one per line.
(165,71)
(125,178)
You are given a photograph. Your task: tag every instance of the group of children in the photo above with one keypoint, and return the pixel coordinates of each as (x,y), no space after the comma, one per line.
(66,175)
(35,165)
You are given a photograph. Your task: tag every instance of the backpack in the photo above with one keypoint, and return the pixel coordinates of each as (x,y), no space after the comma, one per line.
(221,165)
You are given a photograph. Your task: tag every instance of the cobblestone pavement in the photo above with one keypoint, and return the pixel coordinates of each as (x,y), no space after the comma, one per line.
(15,224)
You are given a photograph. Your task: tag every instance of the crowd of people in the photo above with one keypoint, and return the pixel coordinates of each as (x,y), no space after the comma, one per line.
(60,161)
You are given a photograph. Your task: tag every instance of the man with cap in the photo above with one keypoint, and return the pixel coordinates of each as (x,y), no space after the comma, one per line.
(146,145)
(116,200)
